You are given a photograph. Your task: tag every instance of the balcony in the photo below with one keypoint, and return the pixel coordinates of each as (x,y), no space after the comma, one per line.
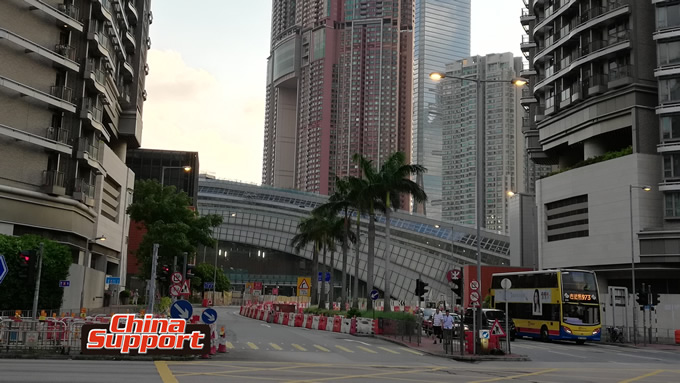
(66,50)
(69,10)
(527,43)
(526,17)
(88,151)
(83,192)
(92,109)
(53,182)
(63,92)
(132,12)
(57,134)
(619,76)
(596,84)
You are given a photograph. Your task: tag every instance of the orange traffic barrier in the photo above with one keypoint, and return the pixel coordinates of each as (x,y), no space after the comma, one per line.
(677,336)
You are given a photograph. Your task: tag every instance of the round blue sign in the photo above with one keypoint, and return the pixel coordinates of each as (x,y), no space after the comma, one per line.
(181,309)
(374,294)
(209,316)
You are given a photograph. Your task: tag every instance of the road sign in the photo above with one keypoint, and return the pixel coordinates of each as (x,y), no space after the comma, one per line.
(64,283)
(186,290)
(275,291)
(506,283)
(328,276)
(496,329)
(209,316)
(257,286)
(3,267)
(112,281)
(176,278)
(303,286)
(453,275)
(181,309)
(208,285)
(374,294)
(474,296)
(175,290)
(474,285)
(484,334)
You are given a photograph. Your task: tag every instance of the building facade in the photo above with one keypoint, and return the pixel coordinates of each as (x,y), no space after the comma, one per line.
(338,83)
(503,162)
(441,35)
(71,102)
(602,83)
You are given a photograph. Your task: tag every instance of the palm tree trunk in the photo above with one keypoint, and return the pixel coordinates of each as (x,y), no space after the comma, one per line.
(322,299)
(387,301)
(330,290)
(371,258)
(343,294)
(355,304)
(314,296)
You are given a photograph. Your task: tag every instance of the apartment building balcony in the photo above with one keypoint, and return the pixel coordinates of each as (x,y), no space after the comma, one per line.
(596,84)
(133,16)
(61,13)
(526,17)
(60,135)
(129,40)
(29,46)
(667,70)
(666,147)
(527,97)
(95,76)
(127,65)
(92,111)
(53,182)
(620,76)
(83,192)
(527,43)
(69,10)
(66,50)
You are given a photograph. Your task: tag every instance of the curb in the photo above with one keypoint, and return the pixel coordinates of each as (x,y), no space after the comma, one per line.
(93,357)
(470,358)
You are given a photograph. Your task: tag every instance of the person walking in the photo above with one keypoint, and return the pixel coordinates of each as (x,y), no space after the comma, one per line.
(437,325)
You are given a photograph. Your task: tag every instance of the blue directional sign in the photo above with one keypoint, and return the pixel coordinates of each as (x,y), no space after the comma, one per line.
(112,281)
(208,285)
(181,309)
(328,276)
(64,283)
(209,316)
(374,294)
(3,268)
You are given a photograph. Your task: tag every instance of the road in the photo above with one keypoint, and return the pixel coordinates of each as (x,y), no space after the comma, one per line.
(260,352)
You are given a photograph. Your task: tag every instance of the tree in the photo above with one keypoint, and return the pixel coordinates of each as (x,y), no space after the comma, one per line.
(393,180)
(309,232)
(17,292)
(170,222)
(333,232)
(205,272)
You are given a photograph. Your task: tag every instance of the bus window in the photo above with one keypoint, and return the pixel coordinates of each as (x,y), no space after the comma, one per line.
(581,314)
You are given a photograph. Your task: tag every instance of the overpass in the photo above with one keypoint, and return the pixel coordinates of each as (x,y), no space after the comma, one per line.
(424,248)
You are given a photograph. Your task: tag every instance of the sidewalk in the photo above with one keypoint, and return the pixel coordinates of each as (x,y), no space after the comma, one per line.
(653,346)
(428,347)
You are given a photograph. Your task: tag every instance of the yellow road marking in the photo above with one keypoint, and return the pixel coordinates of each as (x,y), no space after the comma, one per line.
(324,349)
(642,376)
(253,346)
(388,350)
(276,346)
(164,372)
(299,347)
(411,351)
(345,349)
(515,376)
(230,345)
(367,349)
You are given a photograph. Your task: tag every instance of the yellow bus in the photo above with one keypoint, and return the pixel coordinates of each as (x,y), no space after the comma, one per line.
(560,304)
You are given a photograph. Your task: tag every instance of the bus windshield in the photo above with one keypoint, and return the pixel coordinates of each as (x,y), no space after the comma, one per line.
(578,281)
(579,314)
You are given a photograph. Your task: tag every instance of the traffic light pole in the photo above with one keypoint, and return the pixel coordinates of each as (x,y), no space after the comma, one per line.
(184,266)
(152,282)
(36,293)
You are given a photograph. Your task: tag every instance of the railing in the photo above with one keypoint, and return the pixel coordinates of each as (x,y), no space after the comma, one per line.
(620,72)
(83,187)
(69,10)
(525,13)
(85,146)
(57,134)
(526,39)
(52,178)
(94,108)
(597,11)
(63,92)
(66,50)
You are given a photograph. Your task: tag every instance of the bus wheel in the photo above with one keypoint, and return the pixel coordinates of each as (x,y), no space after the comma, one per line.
(580,341)
(544,334)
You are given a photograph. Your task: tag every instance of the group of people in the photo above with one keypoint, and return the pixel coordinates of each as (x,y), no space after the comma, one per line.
(440,323)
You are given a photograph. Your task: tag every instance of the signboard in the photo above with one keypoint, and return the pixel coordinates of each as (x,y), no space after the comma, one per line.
(374,294)
(453,275)
(496,329)
(3,267)
(474,296)
(257,286)
(209,316)
(474,285)
(524,295)
(249,287)
(64,283)
(580,297)
(484,334)
(186,290)
(181,309)
(176,278)
(304,285)
(175,289)
(275,291)
(328,276)
(208,285)
(112,281)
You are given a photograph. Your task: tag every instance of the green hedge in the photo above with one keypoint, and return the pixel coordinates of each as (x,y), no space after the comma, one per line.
(605,157)
(364,314)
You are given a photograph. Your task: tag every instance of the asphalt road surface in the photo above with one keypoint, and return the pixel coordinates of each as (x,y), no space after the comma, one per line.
(261,352)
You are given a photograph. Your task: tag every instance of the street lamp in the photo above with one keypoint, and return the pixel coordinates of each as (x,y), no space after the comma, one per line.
(632,250)
(517,81)
(186,168)
(87,256)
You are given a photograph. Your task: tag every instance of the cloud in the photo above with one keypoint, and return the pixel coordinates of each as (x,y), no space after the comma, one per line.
(192,109)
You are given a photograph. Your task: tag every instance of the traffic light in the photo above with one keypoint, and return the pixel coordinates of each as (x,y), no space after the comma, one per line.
(27,260)
(165,273)
(457,285)
(190,271)
(420,289)
(655,299)
(641,299)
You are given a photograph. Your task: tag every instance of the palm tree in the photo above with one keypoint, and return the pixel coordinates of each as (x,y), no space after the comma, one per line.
(309,232)
(393,180)
(332,230)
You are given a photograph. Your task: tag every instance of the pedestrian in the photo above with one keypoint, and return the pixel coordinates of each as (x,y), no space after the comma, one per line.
(135,297)
(437,325)
(447,325)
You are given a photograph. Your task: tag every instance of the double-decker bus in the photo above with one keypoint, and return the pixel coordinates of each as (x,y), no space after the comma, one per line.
(559,304)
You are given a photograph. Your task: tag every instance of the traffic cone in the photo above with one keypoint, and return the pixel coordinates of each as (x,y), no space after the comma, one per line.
(213,340)
(223,341)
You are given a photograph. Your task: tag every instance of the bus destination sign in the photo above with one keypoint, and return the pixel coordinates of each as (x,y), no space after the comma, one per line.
(581,297)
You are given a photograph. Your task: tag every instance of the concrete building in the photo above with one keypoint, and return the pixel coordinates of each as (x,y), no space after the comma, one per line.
(71,102)
(504,164)
(441,36)
(594,111)
(338,83)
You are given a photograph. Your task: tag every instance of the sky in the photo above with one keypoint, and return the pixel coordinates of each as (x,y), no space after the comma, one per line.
(206,84)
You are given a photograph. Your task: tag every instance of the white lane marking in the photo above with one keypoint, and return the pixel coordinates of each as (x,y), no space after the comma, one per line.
(358,341)
(265,325)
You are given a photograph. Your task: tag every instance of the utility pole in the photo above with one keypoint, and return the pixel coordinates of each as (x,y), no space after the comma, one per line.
(184,266)
(36,293)
(152,282)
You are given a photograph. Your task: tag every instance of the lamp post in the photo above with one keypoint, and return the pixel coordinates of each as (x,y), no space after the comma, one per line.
(85,266)
(186,168)
(479,156)
(632,251)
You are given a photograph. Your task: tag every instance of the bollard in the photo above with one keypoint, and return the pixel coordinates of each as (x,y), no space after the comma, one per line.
(223,341)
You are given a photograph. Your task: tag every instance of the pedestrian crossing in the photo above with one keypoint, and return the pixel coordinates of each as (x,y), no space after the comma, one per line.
(346,348)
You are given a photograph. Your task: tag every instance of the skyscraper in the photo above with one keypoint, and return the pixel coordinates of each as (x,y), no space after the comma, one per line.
(441,36)
(503,163)
(339,83)
(72,89)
